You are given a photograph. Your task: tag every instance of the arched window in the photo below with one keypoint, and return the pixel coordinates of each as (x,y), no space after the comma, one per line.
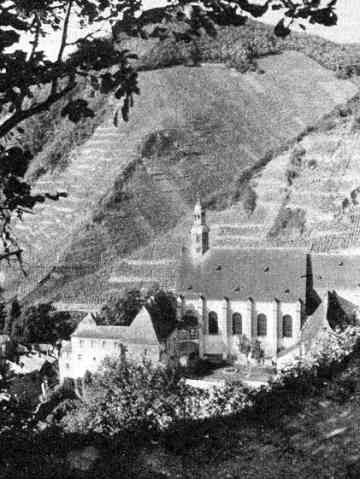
(236,323)
(287,326)
(213,326)
(261,325)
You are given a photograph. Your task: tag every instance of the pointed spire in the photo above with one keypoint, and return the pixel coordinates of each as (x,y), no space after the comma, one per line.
(198,205)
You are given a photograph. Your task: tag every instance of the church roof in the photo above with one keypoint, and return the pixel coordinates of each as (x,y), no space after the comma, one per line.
(262,274)
(336,272)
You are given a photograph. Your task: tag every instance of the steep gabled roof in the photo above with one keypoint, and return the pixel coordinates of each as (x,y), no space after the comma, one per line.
(314,326)
(263,274)
(144,329)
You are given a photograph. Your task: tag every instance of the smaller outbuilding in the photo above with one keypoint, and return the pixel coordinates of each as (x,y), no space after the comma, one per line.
(90,343)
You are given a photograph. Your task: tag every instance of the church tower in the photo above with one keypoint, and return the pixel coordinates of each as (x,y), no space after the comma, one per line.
(199,232)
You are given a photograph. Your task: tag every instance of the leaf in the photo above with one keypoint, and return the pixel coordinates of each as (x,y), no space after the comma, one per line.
(281,30)
(77,110)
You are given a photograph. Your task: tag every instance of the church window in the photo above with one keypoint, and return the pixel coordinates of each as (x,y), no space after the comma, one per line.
(213,325)
(236,323)
(287,324)
(261,325)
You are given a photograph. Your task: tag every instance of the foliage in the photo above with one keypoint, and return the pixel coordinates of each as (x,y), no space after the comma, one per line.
(249,200)
(12,316)
(289,221)
(3,315)
(133,397)
(123,309)
(309,376)
(43,324)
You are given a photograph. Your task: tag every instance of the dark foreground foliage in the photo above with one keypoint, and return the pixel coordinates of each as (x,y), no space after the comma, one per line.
(304,425)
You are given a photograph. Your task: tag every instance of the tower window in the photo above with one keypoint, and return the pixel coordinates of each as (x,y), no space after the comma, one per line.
(213,325)
(261,325)
(287,324)
(236,323)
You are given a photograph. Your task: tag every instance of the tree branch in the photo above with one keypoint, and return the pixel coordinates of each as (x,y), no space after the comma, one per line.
(22,115)
(62,44)
(35,42)
(82,39)
(64,33)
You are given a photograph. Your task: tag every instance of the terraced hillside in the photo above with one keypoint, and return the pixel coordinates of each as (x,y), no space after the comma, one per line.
(325,191)
(192,130)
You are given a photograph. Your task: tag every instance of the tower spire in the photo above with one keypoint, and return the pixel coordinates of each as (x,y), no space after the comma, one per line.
(199,231)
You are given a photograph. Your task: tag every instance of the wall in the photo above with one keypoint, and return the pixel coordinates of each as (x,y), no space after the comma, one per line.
(295,311)
(245,309)
(227,344)
(87,355)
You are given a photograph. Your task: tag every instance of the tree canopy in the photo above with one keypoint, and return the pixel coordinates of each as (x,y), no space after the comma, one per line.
(123,309)
(41,323)
(31,82)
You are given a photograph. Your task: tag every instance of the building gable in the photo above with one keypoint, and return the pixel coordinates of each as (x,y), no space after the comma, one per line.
(141,330)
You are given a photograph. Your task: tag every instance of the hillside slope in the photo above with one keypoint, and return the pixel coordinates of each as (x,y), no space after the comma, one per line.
(192,130)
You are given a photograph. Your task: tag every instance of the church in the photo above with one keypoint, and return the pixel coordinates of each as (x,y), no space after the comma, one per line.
(258,293)
(281,298)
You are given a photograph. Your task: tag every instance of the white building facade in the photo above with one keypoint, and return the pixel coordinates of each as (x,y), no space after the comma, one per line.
(222,323)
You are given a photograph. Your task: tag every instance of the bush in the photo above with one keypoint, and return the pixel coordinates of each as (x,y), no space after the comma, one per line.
(321,370)
(288,222)
(148,399)
(249,200)
(124,396)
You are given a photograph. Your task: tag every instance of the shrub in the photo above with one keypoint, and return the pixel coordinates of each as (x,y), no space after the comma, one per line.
(310,376)
(125,396)
(297,155)
(249,200)
(287,222)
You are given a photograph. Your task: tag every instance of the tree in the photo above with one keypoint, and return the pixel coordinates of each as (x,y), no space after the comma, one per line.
(12,317)
(3,313)
(43,324)
(122,310)
(134,397)
(31,82)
